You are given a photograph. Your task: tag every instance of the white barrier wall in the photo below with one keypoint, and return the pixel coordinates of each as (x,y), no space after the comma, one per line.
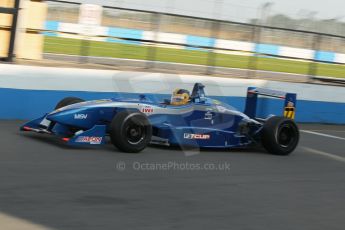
(26,89)
(296,52)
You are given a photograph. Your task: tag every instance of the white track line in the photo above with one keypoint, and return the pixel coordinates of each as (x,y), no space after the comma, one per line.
(329,155)
(322,134)
(325,130)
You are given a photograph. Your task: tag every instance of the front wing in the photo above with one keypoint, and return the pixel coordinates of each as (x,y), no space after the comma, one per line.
(94,136)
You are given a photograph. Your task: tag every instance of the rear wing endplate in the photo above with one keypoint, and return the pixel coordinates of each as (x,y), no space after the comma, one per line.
(252,99)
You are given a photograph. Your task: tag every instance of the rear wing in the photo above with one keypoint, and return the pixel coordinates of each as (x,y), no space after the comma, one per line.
(252,99)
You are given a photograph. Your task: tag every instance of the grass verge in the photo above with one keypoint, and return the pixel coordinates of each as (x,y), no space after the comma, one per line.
(132,51)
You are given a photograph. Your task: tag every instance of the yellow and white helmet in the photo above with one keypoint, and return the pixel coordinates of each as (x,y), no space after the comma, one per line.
(180,97)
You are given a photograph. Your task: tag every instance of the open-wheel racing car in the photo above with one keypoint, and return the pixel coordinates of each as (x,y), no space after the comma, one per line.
(192,120)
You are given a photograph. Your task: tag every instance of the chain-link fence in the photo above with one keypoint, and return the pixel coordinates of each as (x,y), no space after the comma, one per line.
(147,39)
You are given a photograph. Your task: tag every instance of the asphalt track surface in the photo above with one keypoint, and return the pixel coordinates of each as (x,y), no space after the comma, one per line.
(46,184)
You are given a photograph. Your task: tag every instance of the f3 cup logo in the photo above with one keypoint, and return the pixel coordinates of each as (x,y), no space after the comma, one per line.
(194,136)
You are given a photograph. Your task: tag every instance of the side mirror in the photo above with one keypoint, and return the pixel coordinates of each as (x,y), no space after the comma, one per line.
(142,97)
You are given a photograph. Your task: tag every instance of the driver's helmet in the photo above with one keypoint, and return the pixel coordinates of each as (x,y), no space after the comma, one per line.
(180,97)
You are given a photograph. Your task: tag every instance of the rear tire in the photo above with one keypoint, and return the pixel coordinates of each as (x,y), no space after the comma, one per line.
(130,131)
(280,136)
(68,101)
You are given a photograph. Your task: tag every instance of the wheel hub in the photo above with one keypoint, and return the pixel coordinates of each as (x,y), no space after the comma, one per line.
(135,133)
(286,136)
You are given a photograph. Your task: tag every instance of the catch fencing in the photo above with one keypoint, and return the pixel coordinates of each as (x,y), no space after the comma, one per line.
(216,46)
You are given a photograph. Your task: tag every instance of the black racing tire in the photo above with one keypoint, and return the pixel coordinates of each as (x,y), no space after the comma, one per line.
(130,132)
(65,102)
(68,101)
(280,136)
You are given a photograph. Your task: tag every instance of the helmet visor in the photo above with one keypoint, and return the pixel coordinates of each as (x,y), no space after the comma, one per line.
(177,98)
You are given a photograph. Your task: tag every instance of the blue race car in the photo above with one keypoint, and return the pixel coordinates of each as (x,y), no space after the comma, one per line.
(185,120)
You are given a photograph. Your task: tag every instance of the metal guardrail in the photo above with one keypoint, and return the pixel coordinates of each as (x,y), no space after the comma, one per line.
(330,80)
(215,29)
(205,18)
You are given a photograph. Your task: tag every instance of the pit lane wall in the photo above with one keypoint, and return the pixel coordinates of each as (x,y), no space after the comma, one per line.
(27,92)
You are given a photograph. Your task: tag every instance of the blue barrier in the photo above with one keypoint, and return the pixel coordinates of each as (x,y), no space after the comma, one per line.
(324,56)
(306,111)
(53,26)
(124,33)
(267,49)
(29,104)
(199,41)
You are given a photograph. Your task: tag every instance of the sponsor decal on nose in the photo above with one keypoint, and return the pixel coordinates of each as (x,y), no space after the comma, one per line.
(90,140)
(80,116)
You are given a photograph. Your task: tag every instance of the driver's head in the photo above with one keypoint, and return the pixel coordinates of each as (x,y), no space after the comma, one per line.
(180,97)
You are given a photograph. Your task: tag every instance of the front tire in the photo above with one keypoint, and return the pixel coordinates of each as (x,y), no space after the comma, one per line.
(130,131)
(68,101)
(65,102)
(280,136)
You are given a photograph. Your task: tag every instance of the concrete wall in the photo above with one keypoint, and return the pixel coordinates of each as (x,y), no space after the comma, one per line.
(27,92)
